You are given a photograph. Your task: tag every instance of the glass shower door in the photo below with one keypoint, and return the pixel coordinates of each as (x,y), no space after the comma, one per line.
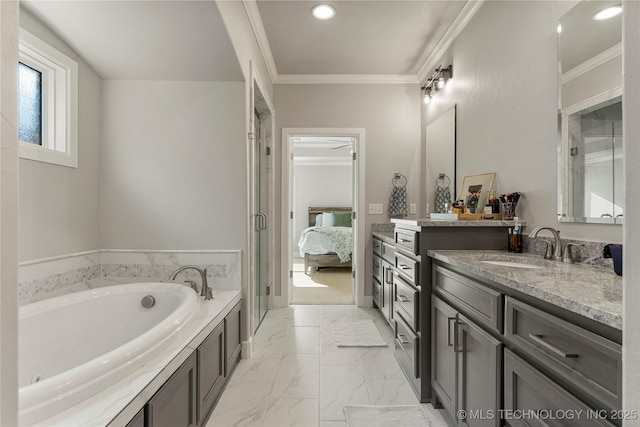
(261,195)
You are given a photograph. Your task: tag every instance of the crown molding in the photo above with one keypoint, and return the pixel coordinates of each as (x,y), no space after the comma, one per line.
(588,65)
(346,79)
(251,6)
(461,21)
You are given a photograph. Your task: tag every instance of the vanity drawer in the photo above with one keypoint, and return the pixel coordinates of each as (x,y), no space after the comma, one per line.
(407,300)
(387,252)
(590,364)
(377,268)
(527,390)
(482,304)
(408,267)
(377,246)
(407,240)
(408,344)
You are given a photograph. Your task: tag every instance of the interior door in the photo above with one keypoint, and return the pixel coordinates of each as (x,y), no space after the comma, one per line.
(261,203)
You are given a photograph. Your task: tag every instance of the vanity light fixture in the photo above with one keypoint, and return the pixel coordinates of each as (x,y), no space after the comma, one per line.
(323,12)
(607,13)
(437,82)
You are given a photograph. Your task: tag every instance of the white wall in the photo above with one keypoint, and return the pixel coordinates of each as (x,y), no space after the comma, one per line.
(8,213)
(504,84)
(631,290)
(59,206)
(173,166)
(320,186)
(390,115)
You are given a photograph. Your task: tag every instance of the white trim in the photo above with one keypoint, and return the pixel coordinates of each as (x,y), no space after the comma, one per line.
(322,161)
(591,63)
(346,79)
(253,13)
(247,348)
(594,100)
(59,101)
(359,206)
(461,21)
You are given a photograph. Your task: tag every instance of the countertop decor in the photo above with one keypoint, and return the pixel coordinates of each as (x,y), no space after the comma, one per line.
(592,292)
(428,222)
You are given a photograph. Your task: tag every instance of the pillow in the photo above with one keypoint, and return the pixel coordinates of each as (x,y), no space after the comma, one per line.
(327,219)
(341,219)
(319,220)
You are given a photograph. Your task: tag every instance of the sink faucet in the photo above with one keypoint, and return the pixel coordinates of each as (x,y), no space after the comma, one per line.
(205,291)
(555,248)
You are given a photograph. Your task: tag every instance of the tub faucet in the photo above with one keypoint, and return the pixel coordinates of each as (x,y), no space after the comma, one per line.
(555,248)
(205,291)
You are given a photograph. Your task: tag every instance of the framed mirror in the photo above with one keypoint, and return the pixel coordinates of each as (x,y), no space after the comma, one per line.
(590,156)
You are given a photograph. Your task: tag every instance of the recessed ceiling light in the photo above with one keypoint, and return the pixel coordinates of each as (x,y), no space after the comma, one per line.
(607,13)
(323,12)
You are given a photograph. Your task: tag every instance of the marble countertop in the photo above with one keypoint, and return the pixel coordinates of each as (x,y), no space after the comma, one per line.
(592,292)
(116,405)
(428,222)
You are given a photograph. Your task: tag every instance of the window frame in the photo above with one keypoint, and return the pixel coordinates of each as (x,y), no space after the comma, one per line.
(59,102)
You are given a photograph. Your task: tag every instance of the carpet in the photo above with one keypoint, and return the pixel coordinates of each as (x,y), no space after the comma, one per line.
(357,333)
(329,286)
(385,416)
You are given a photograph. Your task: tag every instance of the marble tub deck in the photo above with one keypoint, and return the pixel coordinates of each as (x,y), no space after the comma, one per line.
(592,292)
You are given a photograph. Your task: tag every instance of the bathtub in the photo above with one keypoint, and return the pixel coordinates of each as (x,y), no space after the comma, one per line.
(73,346)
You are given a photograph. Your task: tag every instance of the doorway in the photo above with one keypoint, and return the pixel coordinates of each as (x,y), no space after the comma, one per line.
(298,218)
(322,220)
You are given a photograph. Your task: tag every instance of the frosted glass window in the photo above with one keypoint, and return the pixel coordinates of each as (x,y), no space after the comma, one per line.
(30,104)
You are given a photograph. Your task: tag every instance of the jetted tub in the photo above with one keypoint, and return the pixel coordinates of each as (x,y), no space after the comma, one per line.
(73,346)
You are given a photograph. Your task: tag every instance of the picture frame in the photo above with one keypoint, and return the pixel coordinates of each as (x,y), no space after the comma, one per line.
(475,190)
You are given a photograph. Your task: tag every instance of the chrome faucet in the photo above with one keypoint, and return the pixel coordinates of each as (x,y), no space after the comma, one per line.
(205,291)
(554,250)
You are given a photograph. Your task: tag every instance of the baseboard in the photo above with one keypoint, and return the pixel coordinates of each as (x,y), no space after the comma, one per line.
(247,348)
(277,302)
(366,301)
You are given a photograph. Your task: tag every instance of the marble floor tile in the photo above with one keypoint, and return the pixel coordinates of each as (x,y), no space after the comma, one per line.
(391,392)
(332,424)
(291,413)
(379,363)
(302,339)
(298,376)
(257,368)
(241,404)
(306,315)
(340,385)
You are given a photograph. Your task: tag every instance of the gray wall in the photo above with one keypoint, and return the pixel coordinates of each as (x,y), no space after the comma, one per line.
(173,166)
(390,115)
(505,87)
(60,206)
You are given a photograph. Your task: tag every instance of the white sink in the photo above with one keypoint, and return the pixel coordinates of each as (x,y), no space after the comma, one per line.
(511,264)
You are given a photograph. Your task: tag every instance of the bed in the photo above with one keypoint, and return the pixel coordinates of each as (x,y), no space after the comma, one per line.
(327,246)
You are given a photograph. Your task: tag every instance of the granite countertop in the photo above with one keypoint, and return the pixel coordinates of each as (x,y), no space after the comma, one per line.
(428,222)
(592,292)
(117,404)
(385,236)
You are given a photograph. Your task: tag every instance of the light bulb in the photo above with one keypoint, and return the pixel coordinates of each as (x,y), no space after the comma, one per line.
(323,11)
(607,13)
(427,98)
(559,29)
(441,83)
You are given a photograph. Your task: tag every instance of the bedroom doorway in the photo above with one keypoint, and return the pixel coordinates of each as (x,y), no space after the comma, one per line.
(320,186)
(322,220)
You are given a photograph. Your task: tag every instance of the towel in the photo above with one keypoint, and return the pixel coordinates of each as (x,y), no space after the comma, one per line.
(443,196)
(398,202)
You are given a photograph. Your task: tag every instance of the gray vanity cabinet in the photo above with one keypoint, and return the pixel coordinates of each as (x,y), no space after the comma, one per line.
(138,420)
(527,390)
(467,363)
(383,278)
(175,404)
(211,377)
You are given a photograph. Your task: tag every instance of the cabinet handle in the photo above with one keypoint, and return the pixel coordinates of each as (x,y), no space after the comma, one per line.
(403,339)
(449,319)
(403,298)
(457,346)
(389,278)
(538,340)
(401,240)
(404,267)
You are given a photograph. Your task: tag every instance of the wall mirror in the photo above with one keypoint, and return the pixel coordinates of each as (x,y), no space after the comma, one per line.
(440,159)
(590,176)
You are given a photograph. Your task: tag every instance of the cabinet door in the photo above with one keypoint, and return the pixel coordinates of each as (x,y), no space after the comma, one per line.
(232,337)
(443,360)
(174,405)
(387,290)
(211,377)
(479,375)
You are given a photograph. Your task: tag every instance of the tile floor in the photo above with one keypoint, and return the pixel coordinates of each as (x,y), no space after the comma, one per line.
(298,377)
